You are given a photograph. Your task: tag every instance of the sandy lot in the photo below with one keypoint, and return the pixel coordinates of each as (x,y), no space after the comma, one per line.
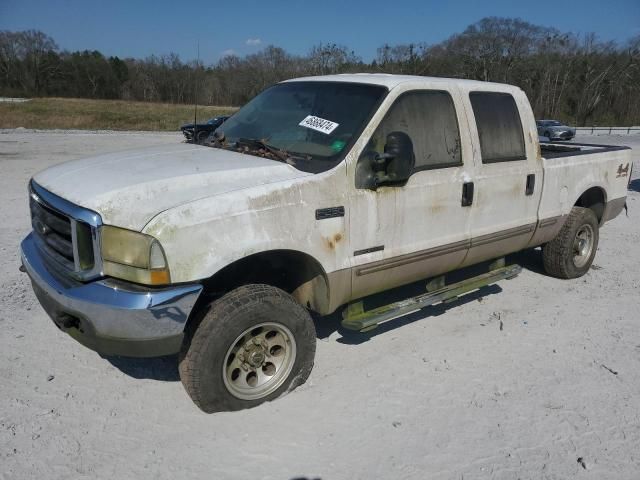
(443,394)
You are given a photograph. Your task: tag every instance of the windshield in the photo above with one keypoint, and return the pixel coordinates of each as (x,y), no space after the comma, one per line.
(315,123)
(554,123)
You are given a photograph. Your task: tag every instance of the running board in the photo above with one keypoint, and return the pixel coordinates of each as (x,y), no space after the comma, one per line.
(356,318)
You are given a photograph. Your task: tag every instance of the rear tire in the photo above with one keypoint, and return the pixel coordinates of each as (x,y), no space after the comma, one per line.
(571,253)
(252,345)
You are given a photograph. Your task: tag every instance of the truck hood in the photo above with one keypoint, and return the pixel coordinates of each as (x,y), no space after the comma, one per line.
(129,188)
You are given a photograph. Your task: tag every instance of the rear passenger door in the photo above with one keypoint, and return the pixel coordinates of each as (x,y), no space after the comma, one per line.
(508,175)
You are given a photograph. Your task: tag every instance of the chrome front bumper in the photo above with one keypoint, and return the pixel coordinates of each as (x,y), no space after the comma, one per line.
(110,316)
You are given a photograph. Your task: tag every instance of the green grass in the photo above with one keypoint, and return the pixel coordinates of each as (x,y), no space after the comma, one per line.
(74,113)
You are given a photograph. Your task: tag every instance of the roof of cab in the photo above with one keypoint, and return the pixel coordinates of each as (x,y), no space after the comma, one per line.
(390,80)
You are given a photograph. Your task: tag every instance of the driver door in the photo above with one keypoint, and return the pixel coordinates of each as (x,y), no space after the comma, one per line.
(405,232)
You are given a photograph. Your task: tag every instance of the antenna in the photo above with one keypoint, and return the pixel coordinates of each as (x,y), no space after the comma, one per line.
(195,98)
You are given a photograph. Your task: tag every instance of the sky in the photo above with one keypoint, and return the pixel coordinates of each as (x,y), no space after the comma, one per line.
(136,28)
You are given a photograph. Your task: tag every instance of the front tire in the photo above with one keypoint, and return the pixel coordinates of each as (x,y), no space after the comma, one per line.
(252,345)
(571,253)
(201,137)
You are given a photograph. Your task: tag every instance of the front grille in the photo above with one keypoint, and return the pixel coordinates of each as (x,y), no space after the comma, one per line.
(66,239)
(54,231)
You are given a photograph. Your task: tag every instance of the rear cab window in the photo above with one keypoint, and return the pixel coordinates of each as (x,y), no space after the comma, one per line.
(499,127)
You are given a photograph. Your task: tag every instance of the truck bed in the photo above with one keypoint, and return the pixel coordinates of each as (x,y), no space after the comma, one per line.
(569,149)
(572,170)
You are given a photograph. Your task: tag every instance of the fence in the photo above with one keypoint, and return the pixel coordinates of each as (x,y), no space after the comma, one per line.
(607,130)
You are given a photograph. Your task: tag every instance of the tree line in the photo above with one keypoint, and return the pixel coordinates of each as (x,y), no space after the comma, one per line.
(578,79)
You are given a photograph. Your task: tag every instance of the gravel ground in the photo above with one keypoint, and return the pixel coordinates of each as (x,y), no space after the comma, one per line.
(535,378)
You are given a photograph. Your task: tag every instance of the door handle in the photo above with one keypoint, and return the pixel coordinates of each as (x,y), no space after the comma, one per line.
(467,194)
(531,184)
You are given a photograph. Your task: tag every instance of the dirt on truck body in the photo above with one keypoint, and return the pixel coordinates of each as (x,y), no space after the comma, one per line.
(318,193)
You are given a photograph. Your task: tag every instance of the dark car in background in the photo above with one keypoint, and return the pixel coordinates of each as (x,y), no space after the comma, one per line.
(202,130)
(555,130)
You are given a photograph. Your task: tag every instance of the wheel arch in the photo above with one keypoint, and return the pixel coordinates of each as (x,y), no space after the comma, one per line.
(595,199)
(295,272)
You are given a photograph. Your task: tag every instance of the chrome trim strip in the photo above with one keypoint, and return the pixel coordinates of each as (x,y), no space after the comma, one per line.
(75,213)
(413,257)
(547,222)
(74,245)
(444,250)
(63,206)
(503,235)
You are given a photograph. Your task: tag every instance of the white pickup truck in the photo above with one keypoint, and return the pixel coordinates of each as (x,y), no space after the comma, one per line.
(319,192)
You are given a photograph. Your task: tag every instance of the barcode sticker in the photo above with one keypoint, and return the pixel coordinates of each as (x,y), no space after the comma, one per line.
(319,124)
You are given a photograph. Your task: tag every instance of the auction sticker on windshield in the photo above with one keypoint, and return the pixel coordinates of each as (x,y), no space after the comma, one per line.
(319,124)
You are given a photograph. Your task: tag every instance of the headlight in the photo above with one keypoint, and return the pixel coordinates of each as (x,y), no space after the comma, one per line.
(133,256)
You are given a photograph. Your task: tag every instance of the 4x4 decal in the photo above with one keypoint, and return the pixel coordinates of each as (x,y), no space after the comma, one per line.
(622,172)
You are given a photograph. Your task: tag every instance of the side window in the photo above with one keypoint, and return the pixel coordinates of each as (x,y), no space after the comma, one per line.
(499,127)
(429,119)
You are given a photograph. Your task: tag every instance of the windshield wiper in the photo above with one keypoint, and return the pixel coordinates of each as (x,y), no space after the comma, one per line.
(280,154)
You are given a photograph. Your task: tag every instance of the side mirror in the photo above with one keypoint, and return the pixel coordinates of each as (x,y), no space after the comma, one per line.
(395,165)
(392,168)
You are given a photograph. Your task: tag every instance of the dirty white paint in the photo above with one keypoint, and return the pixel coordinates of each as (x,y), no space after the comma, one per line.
(129,188)
(565,179)
(210,233)
(209,207)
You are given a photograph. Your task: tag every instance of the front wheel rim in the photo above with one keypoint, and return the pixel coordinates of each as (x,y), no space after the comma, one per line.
(259,361)
(583,245)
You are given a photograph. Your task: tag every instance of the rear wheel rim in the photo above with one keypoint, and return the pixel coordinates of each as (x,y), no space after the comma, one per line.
(583,245)
(259,361)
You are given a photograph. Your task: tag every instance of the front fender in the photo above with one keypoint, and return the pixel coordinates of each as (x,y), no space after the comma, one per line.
(202,237)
